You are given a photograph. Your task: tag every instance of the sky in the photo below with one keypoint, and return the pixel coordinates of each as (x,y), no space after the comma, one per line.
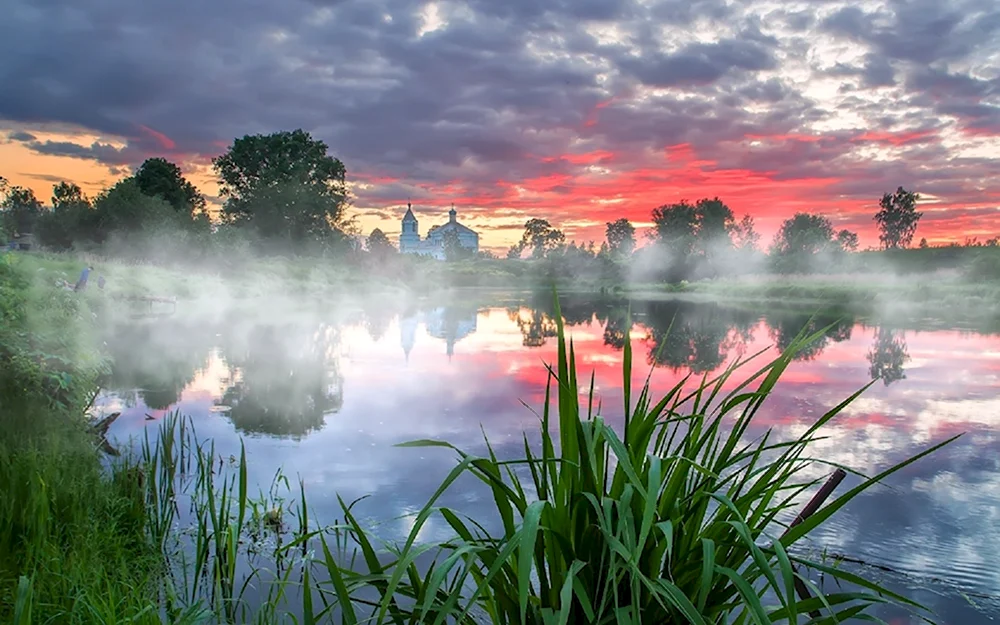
(575,111)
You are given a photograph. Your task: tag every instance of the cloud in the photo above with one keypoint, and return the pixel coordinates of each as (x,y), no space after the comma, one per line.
(494,105)
(21,136)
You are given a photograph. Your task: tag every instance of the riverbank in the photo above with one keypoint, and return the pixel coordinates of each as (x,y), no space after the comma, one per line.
(945,295)
(73,542)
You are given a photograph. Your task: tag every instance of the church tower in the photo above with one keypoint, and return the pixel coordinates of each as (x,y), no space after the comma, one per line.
(409,238)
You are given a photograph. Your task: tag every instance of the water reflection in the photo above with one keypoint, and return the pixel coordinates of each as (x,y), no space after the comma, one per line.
(888,355)
(333,392)
(286,378)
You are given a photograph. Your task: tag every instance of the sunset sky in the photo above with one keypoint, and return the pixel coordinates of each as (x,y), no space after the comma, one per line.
(577,111)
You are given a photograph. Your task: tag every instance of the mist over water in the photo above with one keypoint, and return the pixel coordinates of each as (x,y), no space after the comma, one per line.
(325,392)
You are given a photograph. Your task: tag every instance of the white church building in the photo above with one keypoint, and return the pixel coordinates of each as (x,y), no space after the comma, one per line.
(411,243)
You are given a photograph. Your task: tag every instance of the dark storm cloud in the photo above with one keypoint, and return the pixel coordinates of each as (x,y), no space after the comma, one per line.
(487,98)
(21,136)
(700,63)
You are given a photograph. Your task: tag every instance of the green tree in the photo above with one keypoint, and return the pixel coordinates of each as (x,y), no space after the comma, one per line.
(540,237)
(848,240)
(285,186)
(158,177)
(68,196)
(453,248)
(745,236)
(125,208)
(803,235)
(621,237)
(379,245)
(515,251)
(897,218)
(70,219)
(20,208)
(676,227)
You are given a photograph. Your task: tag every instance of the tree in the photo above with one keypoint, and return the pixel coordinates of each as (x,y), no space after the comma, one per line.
(515,251)
(68,195)
(621,237)
(125,208)
(923,243)
(676,227)
(897,219)
(800,239)
(20,208)
(745,236)
(803,234)
(540,237)
(453,248)
(285,186)
(70,219)
(848,240)
(379,245)
(158,177)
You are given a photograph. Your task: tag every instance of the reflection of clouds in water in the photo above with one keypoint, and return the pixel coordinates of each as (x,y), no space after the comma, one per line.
(399,384)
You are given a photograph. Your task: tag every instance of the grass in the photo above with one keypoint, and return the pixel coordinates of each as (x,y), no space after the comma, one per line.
(73,543)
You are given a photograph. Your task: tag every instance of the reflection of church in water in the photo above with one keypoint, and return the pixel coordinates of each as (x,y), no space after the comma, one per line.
(448,323)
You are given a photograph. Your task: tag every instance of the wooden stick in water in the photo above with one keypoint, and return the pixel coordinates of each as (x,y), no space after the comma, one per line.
(821,495)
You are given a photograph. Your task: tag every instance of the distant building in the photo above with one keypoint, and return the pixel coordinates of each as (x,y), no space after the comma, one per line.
(411,243)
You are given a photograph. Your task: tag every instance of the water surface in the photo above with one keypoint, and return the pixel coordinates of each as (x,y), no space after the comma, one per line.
(324,395)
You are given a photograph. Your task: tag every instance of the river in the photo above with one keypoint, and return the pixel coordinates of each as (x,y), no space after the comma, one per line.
(325,396)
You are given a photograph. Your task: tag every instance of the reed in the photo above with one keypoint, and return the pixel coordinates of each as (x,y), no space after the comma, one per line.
(674,520)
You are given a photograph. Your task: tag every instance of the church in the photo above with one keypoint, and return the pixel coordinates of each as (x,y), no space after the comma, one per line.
(411,243)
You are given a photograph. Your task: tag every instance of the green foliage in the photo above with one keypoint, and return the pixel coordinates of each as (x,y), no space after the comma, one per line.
(897,218)
(73,545)
(379,245)
(985,266)
(285,187)
(745,236)
(453,249)
(158,177)
(696,240)
(539,237)
(847,240)
(620,235)
(19,209)
(803,239)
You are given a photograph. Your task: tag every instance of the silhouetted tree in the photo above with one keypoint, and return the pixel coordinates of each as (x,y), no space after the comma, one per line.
(540,237)
(848,240)
(621,237)
(20,209)
(745,236)
(158,177)
(897,219)
(379,246)
(453,248)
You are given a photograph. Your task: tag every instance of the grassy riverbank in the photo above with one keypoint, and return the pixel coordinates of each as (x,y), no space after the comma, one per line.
(73,543)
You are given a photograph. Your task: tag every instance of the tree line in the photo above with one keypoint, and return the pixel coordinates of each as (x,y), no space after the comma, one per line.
(280,191)
(283,192)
